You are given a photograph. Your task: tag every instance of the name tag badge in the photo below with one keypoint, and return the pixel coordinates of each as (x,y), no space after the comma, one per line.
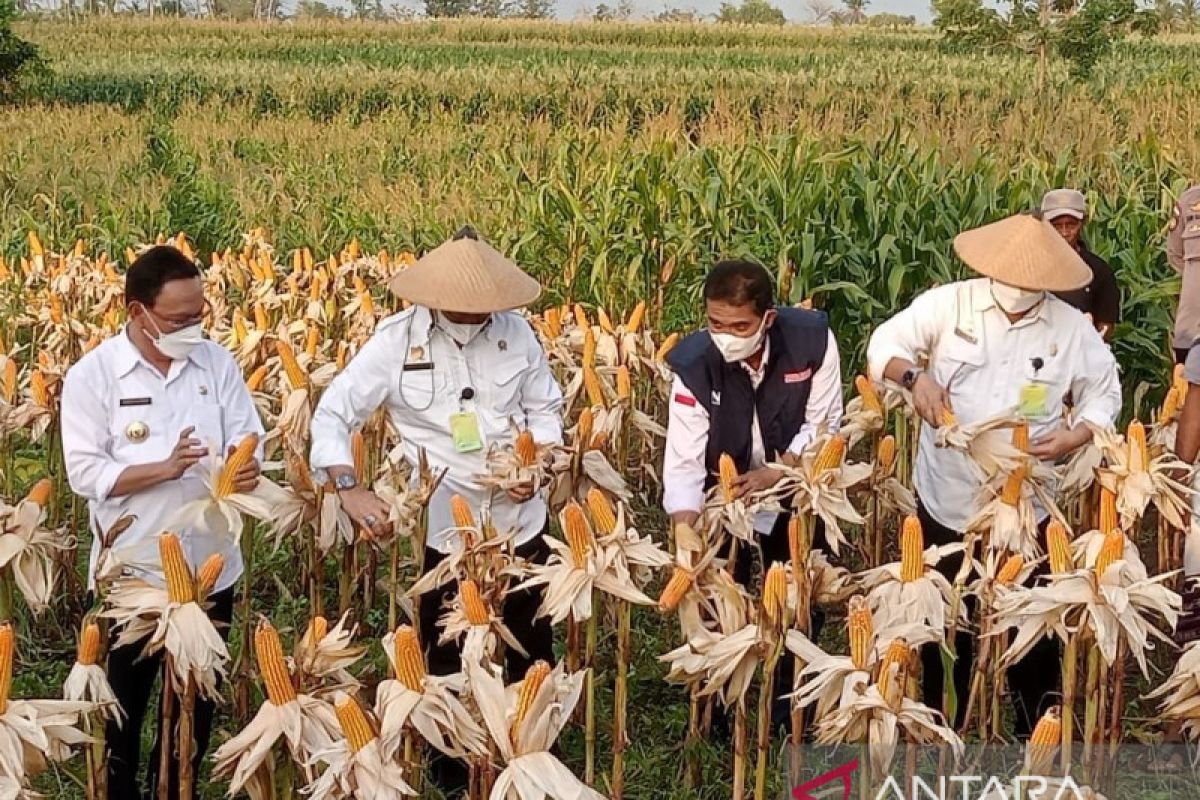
(126,402)
(464,431)
(1034,400)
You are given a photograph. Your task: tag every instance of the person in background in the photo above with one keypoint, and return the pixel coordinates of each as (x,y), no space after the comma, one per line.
(996,343)
(1183,252)
(138,413)
(1066,210)
(1187,447)
(758,383)
(456,372)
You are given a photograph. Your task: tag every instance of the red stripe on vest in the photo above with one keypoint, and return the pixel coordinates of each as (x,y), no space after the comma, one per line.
(797,377)
(684,400)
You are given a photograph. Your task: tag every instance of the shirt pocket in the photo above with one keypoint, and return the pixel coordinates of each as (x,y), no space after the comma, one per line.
(505,388)
(955,361)
(1191,237)
(416,388)
(138,434)
(208,420)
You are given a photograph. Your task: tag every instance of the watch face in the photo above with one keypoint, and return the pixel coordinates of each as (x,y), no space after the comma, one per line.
(346,482)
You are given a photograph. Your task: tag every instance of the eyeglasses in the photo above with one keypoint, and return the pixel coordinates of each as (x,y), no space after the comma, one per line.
(173,324)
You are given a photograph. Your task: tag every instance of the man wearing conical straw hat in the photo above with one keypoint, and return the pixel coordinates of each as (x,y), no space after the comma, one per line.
(457,372)
(979,348)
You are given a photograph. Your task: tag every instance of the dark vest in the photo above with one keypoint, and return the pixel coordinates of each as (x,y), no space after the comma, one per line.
(798,340)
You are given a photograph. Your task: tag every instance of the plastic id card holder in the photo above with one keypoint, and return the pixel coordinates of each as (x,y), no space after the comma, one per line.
(1034,400)
(464,431)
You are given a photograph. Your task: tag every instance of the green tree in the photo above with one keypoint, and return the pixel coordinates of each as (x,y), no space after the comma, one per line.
(856,11)
(534,9)
(448,8)
(17,56)
(315,9)
(751,12)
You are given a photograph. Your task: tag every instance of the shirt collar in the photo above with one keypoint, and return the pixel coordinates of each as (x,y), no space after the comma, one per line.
(762,365)
(423,324)
(128,356)
(982,300)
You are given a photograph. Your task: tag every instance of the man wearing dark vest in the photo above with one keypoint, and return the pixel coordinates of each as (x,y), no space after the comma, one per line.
(758,383)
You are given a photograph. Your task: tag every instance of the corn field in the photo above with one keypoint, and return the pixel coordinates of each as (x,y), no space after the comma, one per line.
(303,165)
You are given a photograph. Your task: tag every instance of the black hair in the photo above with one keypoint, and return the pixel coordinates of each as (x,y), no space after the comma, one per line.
(741,283)
(154,269)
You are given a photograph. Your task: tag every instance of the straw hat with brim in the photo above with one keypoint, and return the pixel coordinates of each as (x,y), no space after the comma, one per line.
(1025,252)
(468,276)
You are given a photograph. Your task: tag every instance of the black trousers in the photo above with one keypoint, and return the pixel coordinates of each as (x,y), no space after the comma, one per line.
(519,614)
(132,678)
(1032,681)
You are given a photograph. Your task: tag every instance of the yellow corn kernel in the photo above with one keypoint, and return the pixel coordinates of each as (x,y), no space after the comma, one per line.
(587,421)
(861,630)
(473,604)
(526,449)
(578,533)
(634,323)
(354,723)
(727,474)
(624,383)
(948,418)
(1170,406)
(291,367)
(1179,381)
(206,576)
(673,593)
(830,456)
(1111,551)
(595,392)
(461,513)
(7,644)
(535,676)
(358,451)
(39,495)
(912,548)
(410,661)
(775,595)
(1058,542)
(1010,570)
(366,305)
(893,672)
(318,626)
(1108,510)
(666,347)
(241,456)
(1044,743)
(887,453)
(343,353)
(87,652)
(255,381)
(1020,437)
(10,381)
(39,390)
(553,320)
(312,341)
(35,245)
(271,665)
(599,441)
(799,544)
(870,397)
(260,317)
(581,317)
(240,331)
(1139,455)
(605,321)
(181,588)
(1012,485)
(601,508)
(354,249)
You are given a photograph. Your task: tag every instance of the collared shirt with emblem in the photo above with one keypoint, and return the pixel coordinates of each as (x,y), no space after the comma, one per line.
(983,361)
(420,374)
(119,411)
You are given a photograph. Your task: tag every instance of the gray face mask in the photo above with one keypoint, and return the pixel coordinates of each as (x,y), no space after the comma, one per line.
(177,345)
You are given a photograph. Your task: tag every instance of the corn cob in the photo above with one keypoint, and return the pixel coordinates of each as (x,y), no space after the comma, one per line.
(634,323)
(410,662)
(775,595)
(261,322)
(476,610)
(181,587)
(242,455)
(1058,543)
(535,676)
(1108,510)
(460,512)
(830,456)
(666,347)
(240,331)
(35,245)
(603,514)
(206,576)
(39,390)
(271,665)
(1180,381)
(1113,550)
(589,348)
(354,723)
(673,593)
(291,367)
(39,495)
(1139,456)
(1020,437)
(6,664)
(318,626)
(605,321)
(799,543)
(343,353)
(578,533)
(10,380)
(256,379)
(948,418)
(358,451)
(1170,406)
(587,422)
(312,341)
(893,683)
(366,306)
(553,323)
(1045,741)
(591,382)
(861,629)
(1010,570)
(599,441)
(354,249)
(624,383)
(870,397)
(728,474)
(912,547)
(87,652)
(1012,485)
(526,449)
(581,317)
(887,453)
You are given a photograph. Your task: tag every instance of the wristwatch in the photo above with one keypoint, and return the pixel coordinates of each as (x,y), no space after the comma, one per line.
(909,379)
(345,482)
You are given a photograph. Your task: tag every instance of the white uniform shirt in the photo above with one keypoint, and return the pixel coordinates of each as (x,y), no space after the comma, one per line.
(983,360)
(113,387)
(418,372)
(684,469)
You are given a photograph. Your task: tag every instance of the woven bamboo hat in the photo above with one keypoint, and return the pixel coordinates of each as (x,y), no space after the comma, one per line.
(466,275)
(1024,251)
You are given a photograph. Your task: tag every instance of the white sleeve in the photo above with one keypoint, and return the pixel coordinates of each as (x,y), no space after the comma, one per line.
(911,332)
(1097,385)
(241,417)
(824,400)
(91,471)
(541,398)
(687,439)
(350,399)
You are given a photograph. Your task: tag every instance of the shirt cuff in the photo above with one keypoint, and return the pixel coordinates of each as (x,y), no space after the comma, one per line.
(681,499)
(108,478)
(330,453)
(1098,417)
(877,361)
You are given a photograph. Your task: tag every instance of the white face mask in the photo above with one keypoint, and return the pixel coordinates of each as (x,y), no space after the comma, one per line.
(738,348)
(179,344)
(1013,300)
(460,332)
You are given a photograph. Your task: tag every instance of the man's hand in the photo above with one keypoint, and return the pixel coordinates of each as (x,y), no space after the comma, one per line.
(522,494)
(247,477)
(756,480)
(187,452)
(930,400)
(367,510)
(1059,442)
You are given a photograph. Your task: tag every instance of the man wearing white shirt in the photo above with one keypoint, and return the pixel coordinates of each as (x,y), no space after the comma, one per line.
(758,383)
(990,345)
(458,372)
(138,413)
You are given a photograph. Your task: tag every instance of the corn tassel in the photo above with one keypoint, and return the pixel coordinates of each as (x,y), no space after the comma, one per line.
(1113,550)
(831,455)
(1011,495)
(354,723)
(7,644)
(1108,510)
(603,514)
(207,575)
(241,456)
(1020,437)
(912,547)
(410,662)
(87,652)
(271,665)
(1059,545)
(666,347)
(886,457)
(39,495)
(728,475)
(860,629)
(181,587)
(775,595)
(1010,570)
(526,449)
(634,323)
(460,512)
(676,588)
(870,397)
(578,533)
(476,610)
(1139,455)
